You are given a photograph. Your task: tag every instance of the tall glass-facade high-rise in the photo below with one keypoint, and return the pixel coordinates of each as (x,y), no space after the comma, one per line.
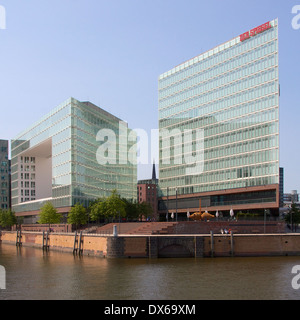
(57,159)
(230,95)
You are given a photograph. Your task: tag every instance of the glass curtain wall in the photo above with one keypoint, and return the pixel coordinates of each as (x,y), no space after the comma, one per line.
(63,145)
(231,93)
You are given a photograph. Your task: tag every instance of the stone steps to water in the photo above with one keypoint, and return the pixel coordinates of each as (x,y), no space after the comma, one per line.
(140,228)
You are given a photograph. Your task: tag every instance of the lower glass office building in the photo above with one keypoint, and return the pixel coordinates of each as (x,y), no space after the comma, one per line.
(58,159)
(219,127)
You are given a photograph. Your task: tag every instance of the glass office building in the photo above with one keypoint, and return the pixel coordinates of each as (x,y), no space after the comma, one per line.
(5,176)
(228,99)
(58,160)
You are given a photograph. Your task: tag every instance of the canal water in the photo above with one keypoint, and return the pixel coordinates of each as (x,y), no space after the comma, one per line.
(31,274)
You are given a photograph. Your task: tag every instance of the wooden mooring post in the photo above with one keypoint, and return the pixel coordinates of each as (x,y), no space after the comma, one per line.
(45,241)
(78,243)
(75,245)
(212,244)
(19,238)
(231,244)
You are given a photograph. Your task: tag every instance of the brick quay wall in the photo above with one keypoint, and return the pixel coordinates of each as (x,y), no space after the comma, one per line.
(159,246)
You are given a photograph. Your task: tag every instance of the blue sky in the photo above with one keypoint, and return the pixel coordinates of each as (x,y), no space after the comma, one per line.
(111,53)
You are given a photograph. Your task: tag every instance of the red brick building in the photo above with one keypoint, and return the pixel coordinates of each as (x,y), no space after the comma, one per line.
(147,192)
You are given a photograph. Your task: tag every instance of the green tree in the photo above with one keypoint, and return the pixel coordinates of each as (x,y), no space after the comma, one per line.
(293,217)
(145,210)
(7,218)
(131,209)
(115,206)
(77,215)
(49,214)
(97,209)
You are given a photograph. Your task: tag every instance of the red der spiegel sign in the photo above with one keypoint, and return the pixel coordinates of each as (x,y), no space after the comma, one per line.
(255,31)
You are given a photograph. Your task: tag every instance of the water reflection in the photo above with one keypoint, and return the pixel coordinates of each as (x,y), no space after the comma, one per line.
(34,274)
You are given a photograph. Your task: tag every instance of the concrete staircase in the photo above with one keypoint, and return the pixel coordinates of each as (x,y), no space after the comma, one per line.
(191,227)
(138,228)
(154,228)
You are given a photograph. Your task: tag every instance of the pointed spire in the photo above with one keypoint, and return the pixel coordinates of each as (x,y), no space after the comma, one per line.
(153,171)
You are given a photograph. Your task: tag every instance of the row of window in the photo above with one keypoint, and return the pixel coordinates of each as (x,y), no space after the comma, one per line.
(200,104)
(217,77)
(220,54)
(148,193)
(148,187)
(27,176)
(27,164)
(27,159)
(251,123)
(219,185)
(216,135)
(27,199)
(178,154)
(238,92)
(226,168)
(231,116)
(26,192)
(27,168)
(218,200)
(25,184)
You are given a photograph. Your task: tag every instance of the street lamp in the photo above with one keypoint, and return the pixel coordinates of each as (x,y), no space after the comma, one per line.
(291,218)
(176,204)
(167,204)
(265,212)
